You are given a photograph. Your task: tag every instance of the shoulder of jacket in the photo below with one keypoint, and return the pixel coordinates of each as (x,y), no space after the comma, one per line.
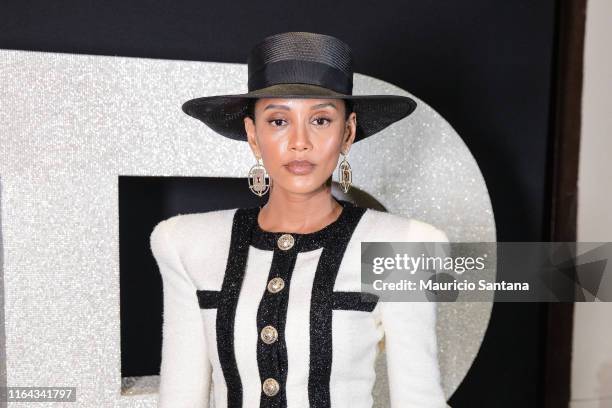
(405,228)
(183,226)
(185,220)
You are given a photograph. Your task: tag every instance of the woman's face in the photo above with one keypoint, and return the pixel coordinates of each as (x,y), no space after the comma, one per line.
(311,131)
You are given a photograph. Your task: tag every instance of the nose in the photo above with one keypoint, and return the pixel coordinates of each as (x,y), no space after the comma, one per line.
(299,139)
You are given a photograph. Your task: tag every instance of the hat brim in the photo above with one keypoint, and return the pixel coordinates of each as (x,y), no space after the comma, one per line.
(225,113)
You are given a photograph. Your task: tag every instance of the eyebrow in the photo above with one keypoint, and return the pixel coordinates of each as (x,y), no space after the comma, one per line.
(285,107)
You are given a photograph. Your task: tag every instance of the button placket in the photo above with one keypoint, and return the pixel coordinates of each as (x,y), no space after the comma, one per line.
(273,359)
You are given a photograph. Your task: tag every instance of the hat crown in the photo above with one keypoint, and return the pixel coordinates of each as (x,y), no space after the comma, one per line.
(301,57)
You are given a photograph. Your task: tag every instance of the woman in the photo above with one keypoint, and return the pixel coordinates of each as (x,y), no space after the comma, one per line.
(264,303)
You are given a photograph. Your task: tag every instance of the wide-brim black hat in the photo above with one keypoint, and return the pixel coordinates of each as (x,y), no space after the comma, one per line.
(299,65)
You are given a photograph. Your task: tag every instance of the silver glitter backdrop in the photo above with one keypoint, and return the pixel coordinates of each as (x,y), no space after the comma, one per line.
(72,124)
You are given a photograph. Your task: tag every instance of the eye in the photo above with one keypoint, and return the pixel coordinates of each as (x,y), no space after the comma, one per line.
(276,122)
(322,121)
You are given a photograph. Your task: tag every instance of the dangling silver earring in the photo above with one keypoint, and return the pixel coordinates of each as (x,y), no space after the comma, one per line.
(259,182)
(345,174)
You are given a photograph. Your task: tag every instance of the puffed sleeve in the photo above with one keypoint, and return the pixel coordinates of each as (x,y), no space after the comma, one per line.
(185,370)
(411,350)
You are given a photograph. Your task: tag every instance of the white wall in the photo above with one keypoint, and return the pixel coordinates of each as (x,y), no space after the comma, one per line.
(592,350)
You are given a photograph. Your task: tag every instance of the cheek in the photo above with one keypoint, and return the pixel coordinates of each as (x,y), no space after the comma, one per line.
(329,157)
(329,150)
(271,148)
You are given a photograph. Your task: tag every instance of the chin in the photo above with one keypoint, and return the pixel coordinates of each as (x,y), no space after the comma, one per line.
(307,186)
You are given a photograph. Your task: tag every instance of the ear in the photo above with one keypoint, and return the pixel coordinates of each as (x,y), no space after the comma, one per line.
(249,127)
(350,130)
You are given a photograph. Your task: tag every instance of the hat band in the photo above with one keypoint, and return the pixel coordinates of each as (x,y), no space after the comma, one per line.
(301,72)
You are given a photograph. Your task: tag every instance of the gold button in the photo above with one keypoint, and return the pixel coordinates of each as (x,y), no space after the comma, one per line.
(270,387)
(285,242)
(269,334)
(276,285)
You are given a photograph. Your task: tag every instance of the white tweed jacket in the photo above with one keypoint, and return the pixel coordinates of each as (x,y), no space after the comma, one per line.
(273,319)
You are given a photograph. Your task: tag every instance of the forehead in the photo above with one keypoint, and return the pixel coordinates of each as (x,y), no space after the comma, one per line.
(299,103)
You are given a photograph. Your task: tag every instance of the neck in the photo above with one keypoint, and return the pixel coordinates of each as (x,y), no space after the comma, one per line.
(299,213)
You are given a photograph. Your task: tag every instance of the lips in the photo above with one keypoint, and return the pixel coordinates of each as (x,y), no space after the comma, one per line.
(300,166)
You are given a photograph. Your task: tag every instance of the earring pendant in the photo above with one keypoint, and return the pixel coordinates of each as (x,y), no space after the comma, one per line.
(259,182)
(345,175)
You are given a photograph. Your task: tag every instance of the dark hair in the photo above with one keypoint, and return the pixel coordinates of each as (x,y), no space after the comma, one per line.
(250,112)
